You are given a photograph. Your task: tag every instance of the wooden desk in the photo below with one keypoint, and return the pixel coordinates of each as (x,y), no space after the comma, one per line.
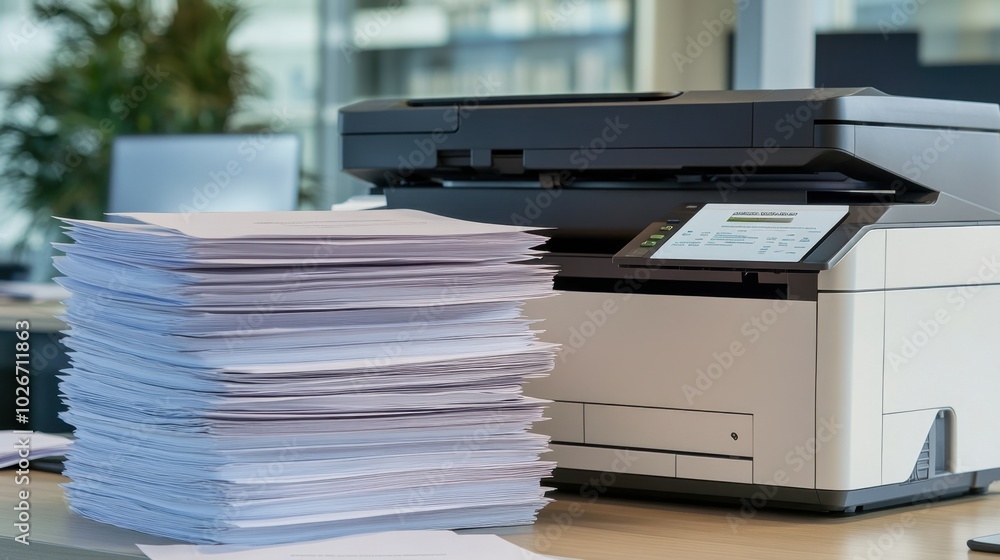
(605,528)
(611,528)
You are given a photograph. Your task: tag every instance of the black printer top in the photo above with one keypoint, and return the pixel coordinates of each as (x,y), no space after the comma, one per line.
(631,156)
(726,117)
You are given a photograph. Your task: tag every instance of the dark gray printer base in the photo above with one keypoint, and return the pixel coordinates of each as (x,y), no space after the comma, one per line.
(594,484)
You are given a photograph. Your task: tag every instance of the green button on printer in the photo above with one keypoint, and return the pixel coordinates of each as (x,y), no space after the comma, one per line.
(666,228)
(648,244)
(657,236)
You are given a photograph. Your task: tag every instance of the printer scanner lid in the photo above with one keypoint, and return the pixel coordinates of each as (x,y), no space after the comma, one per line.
(605,166)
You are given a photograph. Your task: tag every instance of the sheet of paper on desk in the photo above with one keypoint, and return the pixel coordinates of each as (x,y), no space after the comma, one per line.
(33,445)
(395,545)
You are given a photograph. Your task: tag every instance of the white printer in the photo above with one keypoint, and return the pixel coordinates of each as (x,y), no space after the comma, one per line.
(784,298)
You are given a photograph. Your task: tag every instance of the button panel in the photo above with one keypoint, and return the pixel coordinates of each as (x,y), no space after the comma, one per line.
(645,244)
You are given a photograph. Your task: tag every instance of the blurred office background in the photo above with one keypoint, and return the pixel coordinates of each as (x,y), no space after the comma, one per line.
(313,56)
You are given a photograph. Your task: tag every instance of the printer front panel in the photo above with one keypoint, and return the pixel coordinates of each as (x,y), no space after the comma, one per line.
(726,385)
(849,357)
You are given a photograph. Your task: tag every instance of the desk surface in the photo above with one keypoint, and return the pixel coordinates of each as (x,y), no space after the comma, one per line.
(602,528)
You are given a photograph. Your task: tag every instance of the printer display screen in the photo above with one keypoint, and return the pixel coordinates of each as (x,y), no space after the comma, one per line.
(755,232)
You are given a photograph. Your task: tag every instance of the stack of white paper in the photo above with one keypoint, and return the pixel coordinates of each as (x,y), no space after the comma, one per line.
(259,378)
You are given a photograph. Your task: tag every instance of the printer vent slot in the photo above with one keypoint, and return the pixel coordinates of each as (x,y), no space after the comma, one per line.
(701,287)
(922,470)
(933,459)
(508,162)
(454,158)
(909,195)
(851,197)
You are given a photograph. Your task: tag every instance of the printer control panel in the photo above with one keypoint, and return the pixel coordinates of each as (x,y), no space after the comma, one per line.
(656,234)
(732,235)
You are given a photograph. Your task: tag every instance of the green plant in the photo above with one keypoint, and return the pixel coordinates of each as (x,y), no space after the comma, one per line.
(118,68)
